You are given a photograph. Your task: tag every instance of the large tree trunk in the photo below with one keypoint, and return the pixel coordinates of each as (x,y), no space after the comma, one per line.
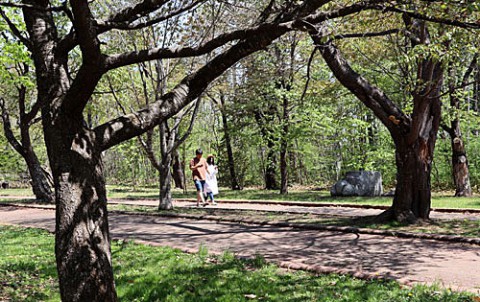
(82,234)
(412,195)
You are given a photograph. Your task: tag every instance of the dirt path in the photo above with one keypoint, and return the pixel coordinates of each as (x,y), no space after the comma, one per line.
(453,265)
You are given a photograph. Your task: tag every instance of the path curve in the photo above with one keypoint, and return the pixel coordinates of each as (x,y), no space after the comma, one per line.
(452,265)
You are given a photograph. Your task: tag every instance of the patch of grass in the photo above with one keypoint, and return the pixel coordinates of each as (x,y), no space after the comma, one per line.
(27,265)
(443,199)
(16,192)
(145,273)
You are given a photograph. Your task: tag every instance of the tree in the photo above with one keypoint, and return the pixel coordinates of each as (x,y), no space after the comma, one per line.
(82,240)
(460,172)
(221,103)
(414,135)
(16,77)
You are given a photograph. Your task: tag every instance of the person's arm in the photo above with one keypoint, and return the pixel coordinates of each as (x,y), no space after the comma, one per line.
(192,165)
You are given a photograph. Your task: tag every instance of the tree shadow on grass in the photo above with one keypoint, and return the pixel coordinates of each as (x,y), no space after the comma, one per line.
(230,279)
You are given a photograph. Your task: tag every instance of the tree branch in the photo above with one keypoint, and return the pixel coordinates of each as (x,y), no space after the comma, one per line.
(85,28)
(366,35)
(104,26)
(130,14)
(309,65)
(7,128)
(187,133)
(187,90)
(16,32)
(415,15)
(250,40)
(119,60)
(374,98)
(31,6)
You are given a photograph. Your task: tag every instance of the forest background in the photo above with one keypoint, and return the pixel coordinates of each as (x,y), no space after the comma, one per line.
(282,106)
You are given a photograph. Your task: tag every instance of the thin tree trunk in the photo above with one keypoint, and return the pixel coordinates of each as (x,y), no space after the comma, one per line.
(460,171)
(167,139)
(234,185)
(271,168)
(461,175)
(166,202)
(284,148)
(40,184)
(177,171)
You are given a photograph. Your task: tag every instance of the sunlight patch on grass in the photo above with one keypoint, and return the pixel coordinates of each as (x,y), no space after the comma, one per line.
(146,273)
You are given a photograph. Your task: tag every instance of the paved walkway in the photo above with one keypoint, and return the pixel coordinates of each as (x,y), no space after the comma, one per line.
(453,265)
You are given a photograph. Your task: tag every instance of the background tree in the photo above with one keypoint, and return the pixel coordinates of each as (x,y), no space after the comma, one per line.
(15,81)
(457,89)
(414,135)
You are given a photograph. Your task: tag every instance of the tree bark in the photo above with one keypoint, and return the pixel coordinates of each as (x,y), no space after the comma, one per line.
(271,168)
(461,175)
(177,171)
(40,182)
(82,234)
(412,193)
(166,202)
(167,140)
(39,177)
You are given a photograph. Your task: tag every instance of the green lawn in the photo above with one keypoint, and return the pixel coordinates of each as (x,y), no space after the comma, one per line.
(145,273)
(439,199)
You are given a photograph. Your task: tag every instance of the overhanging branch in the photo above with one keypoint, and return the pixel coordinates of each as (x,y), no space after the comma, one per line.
(104,26)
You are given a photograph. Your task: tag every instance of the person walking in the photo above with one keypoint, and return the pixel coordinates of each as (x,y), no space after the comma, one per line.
(198,165)
(211,185)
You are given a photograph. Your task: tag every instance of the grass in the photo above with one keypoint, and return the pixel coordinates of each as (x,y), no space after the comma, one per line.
(443,199)
(439,199)
(145,273)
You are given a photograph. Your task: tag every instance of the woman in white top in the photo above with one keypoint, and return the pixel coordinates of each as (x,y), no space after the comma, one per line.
(211,186)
